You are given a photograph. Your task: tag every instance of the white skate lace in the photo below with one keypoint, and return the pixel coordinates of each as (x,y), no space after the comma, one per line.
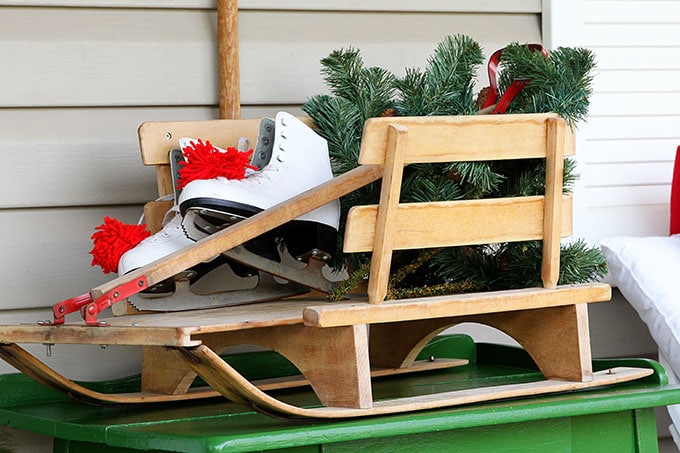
(171,220)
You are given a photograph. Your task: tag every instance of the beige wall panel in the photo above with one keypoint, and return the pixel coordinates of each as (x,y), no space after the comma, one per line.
(90,156)
(45,253)
(510,6)
(79,57)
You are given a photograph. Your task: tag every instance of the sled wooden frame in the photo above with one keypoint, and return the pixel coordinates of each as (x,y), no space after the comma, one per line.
(334,345)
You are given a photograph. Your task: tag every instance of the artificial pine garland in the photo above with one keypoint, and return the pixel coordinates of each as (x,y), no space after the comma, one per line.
(559,83)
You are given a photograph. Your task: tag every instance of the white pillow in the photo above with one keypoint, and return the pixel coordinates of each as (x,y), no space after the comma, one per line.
(647,272)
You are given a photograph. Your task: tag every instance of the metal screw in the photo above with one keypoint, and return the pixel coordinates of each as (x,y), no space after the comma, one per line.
(140,283)
(431,359)
(168,135)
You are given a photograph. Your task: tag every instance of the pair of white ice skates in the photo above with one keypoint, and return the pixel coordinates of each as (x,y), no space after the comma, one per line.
(290,158)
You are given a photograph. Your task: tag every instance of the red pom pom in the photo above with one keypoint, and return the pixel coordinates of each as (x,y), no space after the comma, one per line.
(204,161)
(113,238)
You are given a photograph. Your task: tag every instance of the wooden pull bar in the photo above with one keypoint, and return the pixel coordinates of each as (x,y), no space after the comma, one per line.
(228,59)
(554,163)
(385,227)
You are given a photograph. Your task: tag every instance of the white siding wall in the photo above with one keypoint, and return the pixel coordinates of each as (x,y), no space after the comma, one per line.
(634,130)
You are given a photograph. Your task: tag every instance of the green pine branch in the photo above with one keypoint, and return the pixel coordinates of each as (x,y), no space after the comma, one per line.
(560,83)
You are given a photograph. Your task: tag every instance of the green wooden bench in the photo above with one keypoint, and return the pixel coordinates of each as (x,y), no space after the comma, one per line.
(611,419)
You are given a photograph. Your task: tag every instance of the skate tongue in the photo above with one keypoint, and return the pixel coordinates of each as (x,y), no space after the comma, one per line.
(265,144)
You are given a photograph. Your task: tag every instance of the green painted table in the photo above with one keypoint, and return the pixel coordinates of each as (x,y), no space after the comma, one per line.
(617,419)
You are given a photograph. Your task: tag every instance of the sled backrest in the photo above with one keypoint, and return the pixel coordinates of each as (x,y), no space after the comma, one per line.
(391,225)
(157,139)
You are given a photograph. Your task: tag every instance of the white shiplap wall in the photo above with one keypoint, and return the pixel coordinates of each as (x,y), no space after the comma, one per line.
(630,141)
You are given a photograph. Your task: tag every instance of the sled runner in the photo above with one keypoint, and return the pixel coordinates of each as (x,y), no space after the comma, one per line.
(335,345)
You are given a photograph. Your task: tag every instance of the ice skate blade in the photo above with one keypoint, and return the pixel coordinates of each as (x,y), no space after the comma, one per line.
(303,238)
(185,299)
(308,273)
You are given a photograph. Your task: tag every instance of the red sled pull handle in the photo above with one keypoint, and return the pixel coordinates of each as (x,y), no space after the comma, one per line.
(90,308)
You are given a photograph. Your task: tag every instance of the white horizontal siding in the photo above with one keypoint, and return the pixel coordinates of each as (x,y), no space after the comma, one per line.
(629,142)
(630,12)
(628,151)
(650,80)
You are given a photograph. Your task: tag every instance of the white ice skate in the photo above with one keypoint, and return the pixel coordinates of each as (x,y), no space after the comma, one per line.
(217,282)
(299,162)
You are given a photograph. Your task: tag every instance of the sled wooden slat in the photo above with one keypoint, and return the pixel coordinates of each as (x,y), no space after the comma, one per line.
(463,139)
(385,227)
(113,335)
(432,225)
(554,164)
(339,314)
(162,329)
(157,139)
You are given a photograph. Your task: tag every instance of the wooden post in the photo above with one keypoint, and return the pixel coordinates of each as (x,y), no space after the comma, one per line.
(552,214)
(228,59)
(397,136)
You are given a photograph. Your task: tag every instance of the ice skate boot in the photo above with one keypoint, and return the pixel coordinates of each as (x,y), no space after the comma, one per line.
(217,282)
(299,161)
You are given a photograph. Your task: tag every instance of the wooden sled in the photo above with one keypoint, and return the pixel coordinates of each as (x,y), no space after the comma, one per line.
(335,345)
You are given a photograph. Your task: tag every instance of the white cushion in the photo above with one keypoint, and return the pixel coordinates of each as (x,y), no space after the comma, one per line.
(647,272)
